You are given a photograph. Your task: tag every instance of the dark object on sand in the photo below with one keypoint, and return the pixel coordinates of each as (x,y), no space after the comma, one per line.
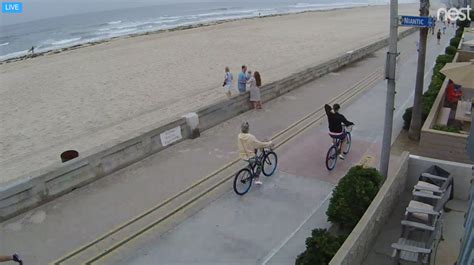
(69,155)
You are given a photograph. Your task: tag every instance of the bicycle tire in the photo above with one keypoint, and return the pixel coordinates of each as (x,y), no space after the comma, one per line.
(245,177)
(348,143)
(267,160)
(331,158)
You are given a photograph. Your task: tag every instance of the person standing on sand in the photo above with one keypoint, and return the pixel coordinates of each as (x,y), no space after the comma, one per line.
(438,36)
(228,82)
(254,86)
(242,82)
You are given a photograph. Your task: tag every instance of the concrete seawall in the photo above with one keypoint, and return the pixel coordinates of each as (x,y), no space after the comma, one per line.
(39,187)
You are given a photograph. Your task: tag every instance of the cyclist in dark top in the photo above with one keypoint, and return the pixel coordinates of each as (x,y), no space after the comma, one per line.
(336,120)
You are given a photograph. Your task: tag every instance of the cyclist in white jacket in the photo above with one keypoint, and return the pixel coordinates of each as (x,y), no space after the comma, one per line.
(248,145)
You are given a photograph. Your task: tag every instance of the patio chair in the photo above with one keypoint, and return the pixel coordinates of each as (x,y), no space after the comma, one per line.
(418,240)
(434,185)
(429,198)
(423,212)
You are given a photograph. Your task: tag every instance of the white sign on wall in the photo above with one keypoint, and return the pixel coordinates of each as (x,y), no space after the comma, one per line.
(170,136)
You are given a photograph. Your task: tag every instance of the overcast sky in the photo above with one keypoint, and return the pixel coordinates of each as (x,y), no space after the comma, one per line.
(39,9)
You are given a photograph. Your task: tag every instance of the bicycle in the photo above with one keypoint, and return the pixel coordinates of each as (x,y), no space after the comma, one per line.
(244,178)
(334,150)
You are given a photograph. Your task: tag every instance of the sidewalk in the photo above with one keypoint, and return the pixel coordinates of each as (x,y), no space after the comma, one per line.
(270,225)
(261,226)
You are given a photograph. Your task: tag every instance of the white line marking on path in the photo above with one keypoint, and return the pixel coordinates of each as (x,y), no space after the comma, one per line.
(275,250)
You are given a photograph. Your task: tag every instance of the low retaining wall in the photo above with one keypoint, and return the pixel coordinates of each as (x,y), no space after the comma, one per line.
(360,241)
(28,192)
(444,145)
(39,187)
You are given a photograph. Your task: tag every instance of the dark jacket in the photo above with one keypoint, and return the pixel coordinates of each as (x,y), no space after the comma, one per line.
(336,120)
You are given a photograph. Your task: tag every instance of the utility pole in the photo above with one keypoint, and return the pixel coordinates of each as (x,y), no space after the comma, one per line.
(391,65)
(415,124)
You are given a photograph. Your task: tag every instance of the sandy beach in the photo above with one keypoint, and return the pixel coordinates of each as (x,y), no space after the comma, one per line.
(83,98)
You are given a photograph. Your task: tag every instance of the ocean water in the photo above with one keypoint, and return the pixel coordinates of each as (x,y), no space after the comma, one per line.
(66,31)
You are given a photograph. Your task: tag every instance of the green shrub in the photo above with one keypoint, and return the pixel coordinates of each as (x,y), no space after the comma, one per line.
(436,83)
(425,111)
(353,195)
(427,102)
(451,50)
(428,97)
(458,34)
(424,115)
(445,128)
(430,93)
(445,58)
(320,248)
(462,23)
(455,42)
(433,89)
(439,75)
(438,68)
(407,118)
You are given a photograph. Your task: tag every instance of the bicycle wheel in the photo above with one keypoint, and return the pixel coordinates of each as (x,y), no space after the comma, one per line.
(269,161)
(331,158)
(347,144)
(243,181)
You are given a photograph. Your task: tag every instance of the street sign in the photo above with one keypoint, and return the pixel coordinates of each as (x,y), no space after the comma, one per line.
(411,21)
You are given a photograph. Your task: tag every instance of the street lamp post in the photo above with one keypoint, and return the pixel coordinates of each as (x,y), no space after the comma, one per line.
(390,76)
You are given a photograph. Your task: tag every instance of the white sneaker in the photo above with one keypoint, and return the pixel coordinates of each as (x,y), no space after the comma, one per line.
(342,157)
(258,182)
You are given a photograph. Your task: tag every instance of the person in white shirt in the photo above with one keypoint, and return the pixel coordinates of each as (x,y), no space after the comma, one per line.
(228,82)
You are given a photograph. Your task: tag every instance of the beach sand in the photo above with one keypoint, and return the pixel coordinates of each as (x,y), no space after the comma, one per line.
(84,98)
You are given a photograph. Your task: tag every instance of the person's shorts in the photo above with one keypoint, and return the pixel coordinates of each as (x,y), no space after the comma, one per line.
(339,136)
(227,88)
